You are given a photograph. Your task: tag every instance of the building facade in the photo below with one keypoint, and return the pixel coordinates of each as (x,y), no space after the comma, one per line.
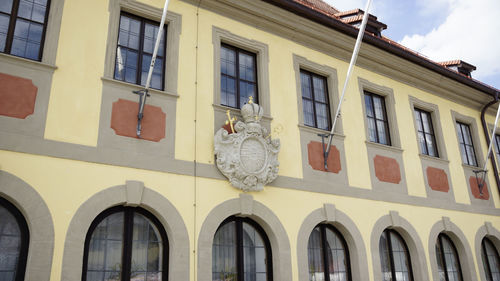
(82,198)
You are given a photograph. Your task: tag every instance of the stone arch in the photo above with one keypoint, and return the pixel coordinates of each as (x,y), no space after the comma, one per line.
(488,231)
(247,207)
(411,238)
(41,227)
(133,193)
(330,215)
(458,238)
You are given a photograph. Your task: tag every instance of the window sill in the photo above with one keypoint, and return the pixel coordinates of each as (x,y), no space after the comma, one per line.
(134,87)
(237,111)
(470,167)
(384,147)
(27,62)
(317,131)
(434,159)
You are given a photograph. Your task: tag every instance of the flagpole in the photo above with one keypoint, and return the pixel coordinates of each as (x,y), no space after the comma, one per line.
(492,139)
(144,93)
(349,72)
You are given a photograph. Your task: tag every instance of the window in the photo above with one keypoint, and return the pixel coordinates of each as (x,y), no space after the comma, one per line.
(394,257)
(14,239)
(447,259)
(425,130)
(491,261)
(327,247)
(22,27)
(376,115)
(125,243)
(466,145)
(136,41)
(315,100)
(241,252)
(238,76)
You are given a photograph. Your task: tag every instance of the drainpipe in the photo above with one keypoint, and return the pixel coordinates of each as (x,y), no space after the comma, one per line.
(487,136)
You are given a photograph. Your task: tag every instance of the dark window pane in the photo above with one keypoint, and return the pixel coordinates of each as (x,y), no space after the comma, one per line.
(372,130)
(6,6)
(322,116)
(315,100)
(224,253)
(377,104)
(394,257)
(305,85)
(246,90)
(228,61)
(308,112)
(247,67)
(448,262)
(315,256)
(378,127)
(4,27)
(319,89)
(369,106)
(10,244)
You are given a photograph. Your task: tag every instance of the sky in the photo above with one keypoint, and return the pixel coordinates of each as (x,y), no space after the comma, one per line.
(443,30)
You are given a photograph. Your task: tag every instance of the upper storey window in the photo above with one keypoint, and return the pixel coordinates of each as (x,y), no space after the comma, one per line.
(22,27)
(136,42)
(315,100)
(238,76)
(376,115)
(426,137)
(466,145)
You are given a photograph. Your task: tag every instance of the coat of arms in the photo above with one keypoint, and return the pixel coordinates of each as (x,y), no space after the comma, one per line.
(247,155)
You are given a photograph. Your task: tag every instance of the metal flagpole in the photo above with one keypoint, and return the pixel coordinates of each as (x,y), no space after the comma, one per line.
(144,93)
(482,178)
(349,72)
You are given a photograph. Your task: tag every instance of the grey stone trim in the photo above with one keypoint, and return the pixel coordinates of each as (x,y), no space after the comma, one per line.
(261,50)
(133,159)
(129,194)
(459,240)
(174,30)
(490,232)
(330,215)
(374,149)
(247,207)
(330,74)
(39,219)
(52,32)
(411,238)
(478,149)
(428,161)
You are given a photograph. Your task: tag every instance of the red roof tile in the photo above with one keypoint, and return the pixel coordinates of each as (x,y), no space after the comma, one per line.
(319,6)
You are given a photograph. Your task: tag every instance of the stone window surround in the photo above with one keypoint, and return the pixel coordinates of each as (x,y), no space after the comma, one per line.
(390,106)
(468,169)
(411,238)
(356,247)
(490,232)
(245,206)
(330,74)
(133,194)
(460,242)
(39,219)
(173,22)
(261,51)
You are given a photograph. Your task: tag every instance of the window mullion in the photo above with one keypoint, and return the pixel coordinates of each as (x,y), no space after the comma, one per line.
(489,273)
(377,138)
(464,144)
(325,254)
(138,76)
(239,251)
(12,25)
(391,257)
(443,258)
(127,244)
(237,70)
(420,113)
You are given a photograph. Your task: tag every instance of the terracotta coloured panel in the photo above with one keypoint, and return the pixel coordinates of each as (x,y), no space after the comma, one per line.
(17,96)
(387,169)
(316,158)
(437,179)
(475,189)
(124,120)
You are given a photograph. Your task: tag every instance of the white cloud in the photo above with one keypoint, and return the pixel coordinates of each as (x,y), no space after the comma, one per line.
(470,33)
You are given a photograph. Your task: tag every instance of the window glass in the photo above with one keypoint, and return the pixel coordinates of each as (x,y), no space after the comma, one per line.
(425,131)
(491,261)
(316,108)
(240,252)
(466,146)
(376,116)
(238,76)
(136,41)
(327,245)
(447,259)
(23,34)
(125,243)
(394,257)
(14,239)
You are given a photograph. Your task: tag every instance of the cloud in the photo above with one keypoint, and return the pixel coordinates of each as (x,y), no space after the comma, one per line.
(469,32)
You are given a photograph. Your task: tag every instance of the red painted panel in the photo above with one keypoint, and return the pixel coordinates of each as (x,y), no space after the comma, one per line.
(387,169)
(17,96)
(475,189)
(316,158)
(437,179)
(124,120)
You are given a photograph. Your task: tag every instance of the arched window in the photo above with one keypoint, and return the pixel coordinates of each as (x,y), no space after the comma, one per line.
(394,257)
(447,259)
(14,240)
(491,262)
(241,252)
(125,243)
(326,246)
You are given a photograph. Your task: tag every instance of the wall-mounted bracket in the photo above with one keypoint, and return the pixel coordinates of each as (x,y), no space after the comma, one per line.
(326,148)
(480,179)
(143,94)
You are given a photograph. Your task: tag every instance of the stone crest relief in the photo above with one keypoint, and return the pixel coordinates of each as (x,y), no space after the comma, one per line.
(247,155)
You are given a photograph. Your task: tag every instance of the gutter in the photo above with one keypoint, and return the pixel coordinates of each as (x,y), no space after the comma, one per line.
(338,25)
(487,136)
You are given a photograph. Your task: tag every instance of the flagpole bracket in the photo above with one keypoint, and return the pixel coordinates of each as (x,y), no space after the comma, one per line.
(143,94)
(326,150)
